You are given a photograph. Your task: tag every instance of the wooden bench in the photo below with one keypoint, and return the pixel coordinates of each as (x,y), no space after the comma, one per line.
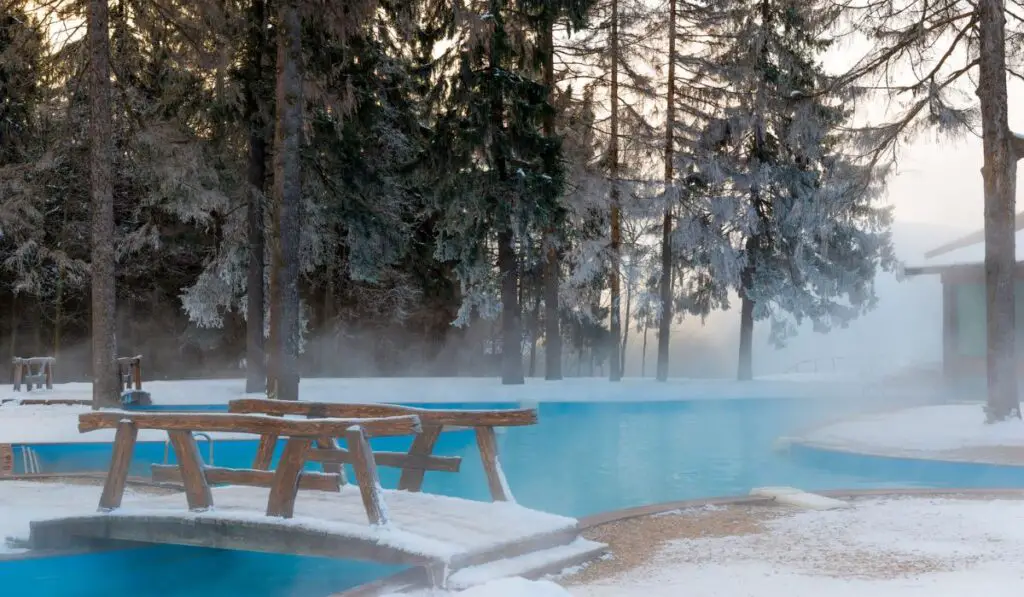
(284,483)
(31,371)
(129,372)
(418,459)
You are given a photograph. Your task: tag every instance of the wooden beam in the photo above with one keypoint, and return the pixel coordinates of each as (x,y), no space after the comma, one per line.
(402,460)
(440,416)
(422,447)
(488,445)
(285,485)
(329,443)
(120,462)
(197,490)
(313,481)
(366,476)
(265,452)
(239,423)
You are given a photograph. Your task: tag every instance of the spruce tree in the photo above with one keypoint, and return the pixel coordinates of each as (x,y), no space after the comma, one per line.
(805,227)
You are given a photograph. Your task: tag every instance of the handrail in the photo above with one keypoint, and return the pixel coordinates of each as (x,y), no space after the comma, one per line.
(419,459)
(248,423)
(447,417)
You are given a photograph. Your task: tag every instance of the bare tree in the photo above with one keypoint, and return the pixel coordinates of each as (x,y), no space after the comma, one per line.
(665,282)
(928,53)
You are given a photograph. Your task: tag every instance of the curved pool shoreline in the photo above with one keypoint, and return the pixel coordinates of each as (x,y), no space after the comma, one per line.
(583,460)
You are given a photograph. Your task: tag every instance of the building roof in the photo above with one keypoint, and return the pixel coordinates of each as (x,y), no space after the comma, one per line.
(966,251)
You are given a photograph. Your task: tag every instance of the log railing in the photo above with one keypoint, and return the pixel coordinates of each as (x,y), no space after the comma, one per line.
(284,482)
(413,463)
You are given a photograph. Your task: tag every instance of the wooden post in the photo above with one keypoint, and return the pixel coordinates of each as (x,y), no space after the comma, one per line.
(197,490)
(422,445)
(120,461)
(329,443)
(265,452)
(286,478)
(17,374)
(488,444)
(137,373)
(49,374)
(366,475)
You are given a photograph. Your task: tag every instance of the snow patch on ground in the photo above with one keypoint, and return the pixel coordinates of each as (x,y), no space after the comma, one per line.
(40,424)
(473,389)
(919,432)
(896,547)
(906,547)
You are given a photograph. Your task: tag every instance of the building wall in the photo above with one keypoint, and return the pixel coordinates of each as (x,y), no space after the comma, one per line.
(970,318)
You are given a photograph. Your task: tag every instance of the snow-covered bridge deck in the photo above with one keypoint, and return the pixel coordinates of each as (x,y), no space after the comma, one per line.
(422,529)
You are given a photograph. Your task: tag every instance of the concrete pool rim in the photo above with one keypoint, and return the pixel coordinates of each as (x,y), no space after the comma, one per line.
(415,576)
(918,456)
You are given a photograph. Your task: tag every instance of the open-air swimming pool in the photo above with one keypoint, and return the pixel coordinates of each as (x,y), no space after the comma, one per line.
(581,459)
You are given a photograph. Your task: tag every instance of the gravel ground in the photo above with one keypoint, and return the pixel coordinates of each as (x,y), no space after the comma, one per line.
(816,543)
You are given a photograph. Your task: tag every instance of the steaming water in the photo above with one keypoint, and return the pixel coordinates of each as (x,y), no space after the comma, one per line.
(582,459)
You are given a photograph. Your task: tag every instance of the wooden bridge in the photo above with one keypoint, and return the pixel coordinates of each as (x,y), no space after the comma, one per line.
(289,509)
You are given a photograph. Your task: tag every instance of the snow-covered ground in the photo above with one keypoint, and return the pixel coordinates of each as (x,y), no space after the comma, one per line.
(906,547)
(44,424)
(950,431)
(476,389)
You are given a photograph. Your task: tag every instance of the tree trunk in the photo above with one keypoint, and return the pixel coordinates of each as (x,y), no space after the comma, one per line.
(288,195)
(746,368)
(255,358)
(643,355)
(534,332)
(511,327)
(105,386)
(665,284)
(614,369)
(999,173)
(552,265)
(508,264)
(625,329)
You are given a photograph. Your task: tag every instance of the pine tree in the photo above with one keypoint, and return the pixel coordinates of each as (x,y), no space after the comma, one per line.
(805,226)
(496,189)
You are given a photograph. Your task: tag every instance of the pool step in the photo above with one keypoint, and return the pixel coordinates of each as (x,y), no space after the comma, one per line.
(531,565)
(798,498)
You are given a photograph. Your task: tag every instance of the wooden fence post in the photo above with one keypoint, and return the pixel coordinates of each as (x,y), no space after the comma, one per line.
(366,475)
(197,490)
(488,445)
(120,462)
(286,478)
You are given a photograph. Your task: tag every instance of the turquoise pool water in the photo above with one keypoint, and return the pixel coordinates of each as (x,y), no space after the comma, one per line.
(581,459)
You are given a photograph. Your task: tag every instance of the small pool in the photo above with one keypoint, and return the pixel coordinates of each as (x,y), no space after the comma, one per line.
(581,459)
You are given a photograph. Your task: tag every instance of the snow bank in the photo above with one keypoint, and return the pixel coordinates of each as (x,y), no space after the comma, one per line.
(473,389)
(919,432)
(42,424)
